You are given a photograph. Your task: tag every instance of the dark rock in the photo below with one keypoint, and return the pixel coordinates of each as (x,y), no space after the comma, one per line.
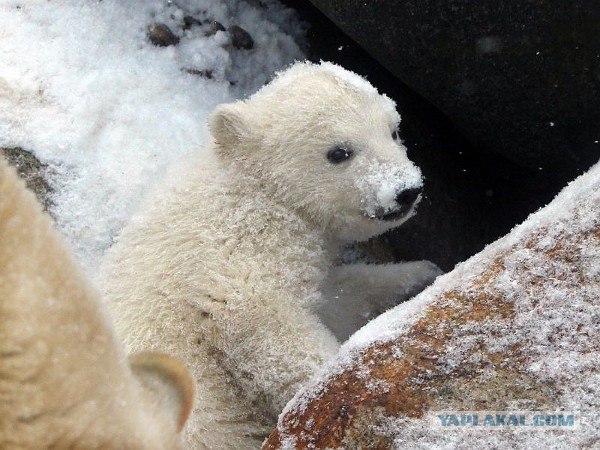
(519,78)
(161,35)
(201,73)
(32,170)
(472,197)
(213,28)
(240,38)
(190,21)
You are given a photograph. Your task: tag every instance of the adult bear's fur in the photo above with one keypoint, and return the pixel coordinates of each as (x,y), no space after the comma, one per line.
(64,381)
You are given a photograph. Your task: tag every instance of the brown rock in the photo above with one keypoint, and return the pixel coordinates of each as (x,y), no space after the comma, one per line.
(213,27)
(190,21)
(161,35)
(240,38)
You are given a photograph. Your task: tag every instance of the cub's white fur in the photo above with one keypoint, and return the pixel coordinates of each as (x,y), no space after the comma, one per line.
(227,263)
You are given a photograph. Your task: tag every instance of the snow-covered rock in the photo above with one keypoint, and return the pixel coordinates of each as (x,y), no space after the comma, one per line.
(35,173)
(515,329)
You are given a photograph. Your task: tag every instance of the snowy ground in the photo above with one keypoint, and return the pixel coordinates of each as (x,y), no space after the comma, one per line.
(83,88)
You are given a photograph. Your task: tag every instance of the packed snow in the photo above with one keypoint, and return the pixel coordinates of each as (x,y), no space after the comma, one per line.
(83,88)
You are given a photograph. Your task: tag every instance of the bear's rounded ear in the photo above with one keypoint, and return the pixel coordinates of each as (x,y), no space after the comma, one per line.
(167,383)
(228,126)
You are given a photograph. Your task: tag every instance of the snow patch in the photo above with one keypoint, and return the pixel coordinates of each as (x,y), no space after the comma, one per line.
(84,89)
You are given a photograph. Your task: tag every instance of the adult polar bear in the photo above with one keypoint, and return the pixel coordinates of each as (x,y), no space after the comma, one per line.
(226,266)
(64,380)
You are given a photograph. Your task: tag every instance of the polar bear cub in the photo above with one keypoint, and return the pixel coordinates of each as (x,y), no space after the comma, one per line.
(226,265)
(64,381)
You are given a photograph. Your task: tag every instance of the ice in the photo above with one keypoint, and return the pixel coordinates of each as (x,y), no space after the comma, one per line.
(83,88)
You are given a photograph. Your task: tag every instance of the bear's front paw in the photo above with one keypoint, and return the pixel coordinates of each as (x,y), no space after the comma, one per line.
(412,277)
(429,270)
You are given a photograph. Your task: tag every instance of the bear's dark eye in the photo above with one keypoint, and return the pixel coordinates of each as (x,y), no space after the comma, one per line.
(338,154)
(395,135)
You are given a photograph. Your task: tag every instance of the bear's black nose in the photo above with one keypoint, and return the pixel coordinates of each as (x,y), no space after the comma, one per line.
(408,196)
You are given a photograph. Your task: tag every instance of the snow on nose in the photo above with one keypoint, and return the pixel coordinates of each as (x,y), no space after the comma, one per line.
(381,184)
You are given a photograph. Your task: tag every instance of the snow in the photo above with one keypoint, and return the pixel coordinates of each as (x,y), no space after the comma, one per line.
(556,324)
(381,183)
(83,88)
(349,78)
